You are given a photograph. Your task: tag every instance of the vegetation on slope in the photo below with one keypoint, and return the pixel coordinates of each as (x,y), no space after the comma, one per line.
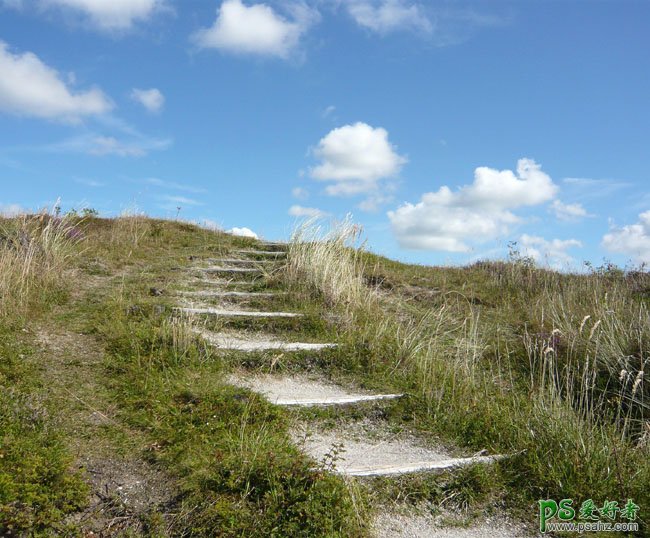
(37,486)
(502,356)
(155,399)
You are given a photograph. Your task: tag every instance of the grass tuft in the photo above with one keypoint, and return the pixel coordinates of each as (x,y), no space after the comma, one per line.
(34,252)
(324,264)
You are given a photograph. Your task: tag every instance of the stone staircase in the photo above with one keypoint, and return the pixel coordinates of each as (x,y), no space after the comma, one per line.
(363,449)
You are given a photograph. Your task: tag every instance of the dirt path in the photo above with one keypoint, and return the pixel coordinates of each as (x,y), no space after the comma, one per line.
(125,489)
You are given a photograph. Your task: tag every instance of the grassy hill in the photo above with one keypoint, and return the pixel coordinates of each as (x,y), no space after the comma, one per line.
(116,418)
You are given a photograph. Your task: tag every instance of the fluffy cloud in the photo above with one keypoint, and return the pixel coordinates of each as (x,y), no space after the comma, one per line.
(28,87)
(355,157)
(257,29)
(568,211)
(386,16)
(553,253)
(111,14)
(632,240)
(311,212)
(242,232)
(446,220)
(153,100)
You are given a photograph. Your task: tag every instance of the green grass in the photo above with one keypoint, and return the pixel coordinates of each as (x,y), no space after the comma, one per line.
(502,356)
(226,453)
(38,484)
(498,356)
(237,468)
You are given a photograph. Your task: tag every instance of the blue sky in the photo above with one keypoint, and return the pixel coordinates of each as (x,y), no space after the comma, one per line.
(446,128)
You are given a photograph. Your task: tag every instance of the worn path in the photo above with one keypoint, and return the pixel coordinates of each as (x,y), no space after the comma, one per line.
(362,449)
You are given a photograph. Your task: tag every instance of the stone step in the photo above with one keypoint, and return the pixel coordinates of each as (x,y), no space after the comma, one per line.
(219,282)
(236,313)
(300,391)
(354,456)
(242,342)
(238,294)
(239,261)
(416,467)
(275,254)
(221,269)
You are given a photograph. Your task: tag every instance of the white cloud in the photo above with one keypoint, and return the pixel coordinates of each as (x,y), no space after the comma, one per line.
(568,211)
(12,210)
(375,200)
(101,145)
(311,212)
(111,15)
(256,29)
(242,232)
(153,100)
(355,157)
(595,188)
(632,240)
(328,111)
(108,145)
(386,16)
(28,87)
(553,253)
(174,185)
(300,193)
(433,225)
(476,213)
(583,181)
(180,200)
(440,23)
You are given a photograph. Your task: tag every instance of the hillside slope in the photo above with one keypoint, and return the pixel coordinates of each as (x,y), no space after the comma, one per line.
(152,385)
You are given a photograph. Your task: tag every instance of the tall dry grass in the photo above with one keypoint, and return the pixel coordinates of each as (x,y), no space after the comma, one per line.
(581,395)
(587,338)
(440,347)
(34,253)
(130,228)
(596,353)
(324,262)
